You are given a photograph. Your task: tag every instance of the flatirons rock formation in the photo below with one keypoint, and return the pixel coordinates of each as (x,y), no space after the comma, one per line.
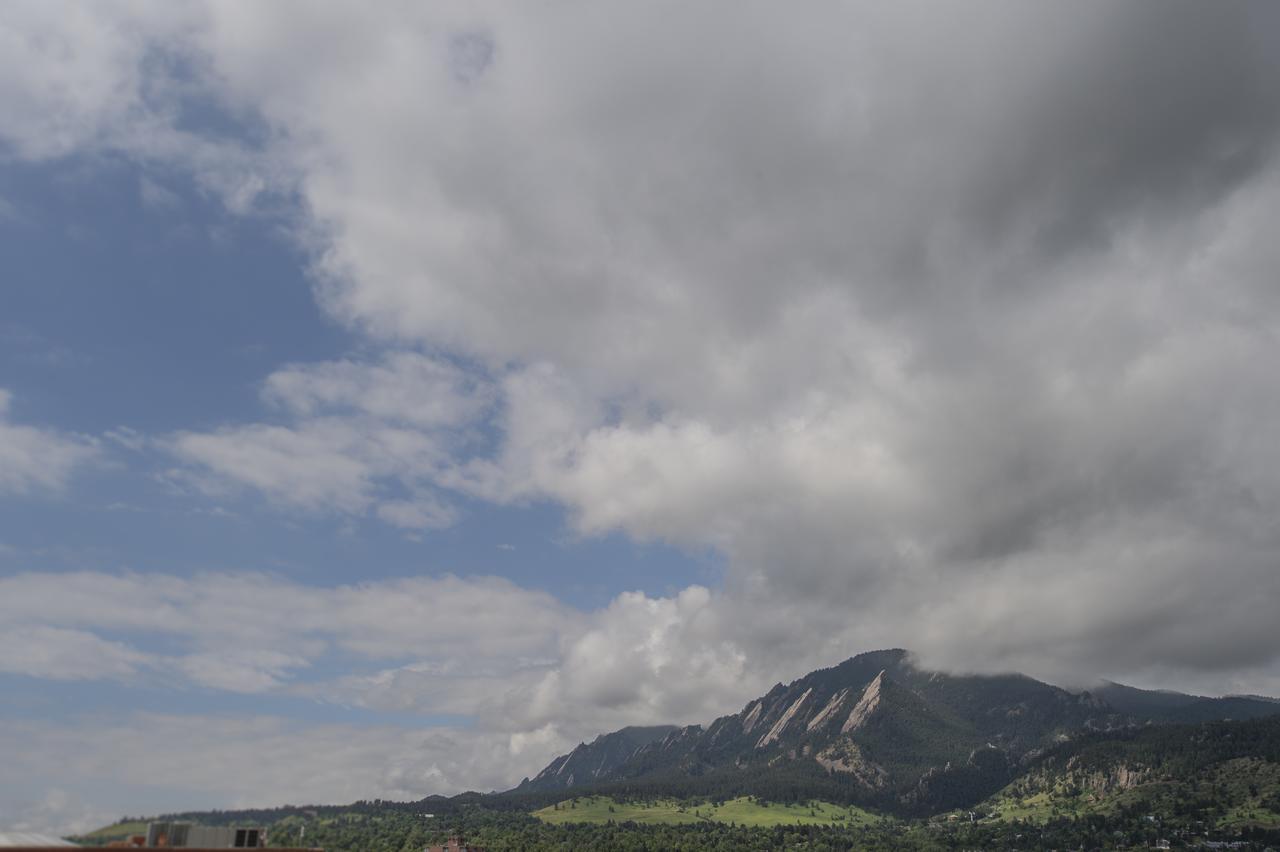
(875,728)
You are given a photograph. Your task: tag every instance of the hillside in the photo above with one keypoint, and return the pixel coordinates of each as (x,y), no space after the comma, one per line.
(878,731)
(1213,775)
(875,730)
(1164,706)
(596,761)
(740,811)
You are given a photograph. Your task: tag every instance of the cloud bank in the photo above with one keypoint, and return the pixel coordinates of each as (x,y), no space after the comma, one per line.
(914,314)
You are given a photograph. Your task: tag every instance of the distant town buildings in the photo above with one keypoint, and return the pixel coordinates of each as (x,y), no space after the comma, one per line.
(163,835)
(188,835)
(199,838)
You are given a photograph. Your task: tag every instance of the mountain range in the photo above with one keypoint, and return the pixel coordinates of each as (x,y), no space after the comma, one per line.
(876,730)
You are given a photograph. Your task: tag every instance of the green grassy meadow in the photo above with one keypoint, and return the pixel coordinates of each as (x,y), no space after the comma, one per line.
(741,811)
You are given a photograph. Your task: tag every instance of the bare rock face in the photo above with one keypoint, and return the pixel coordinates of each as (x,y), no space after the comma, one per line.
(843,755)
(827,713)
(866,705)
(1122,776)
(781,725)
(753,716)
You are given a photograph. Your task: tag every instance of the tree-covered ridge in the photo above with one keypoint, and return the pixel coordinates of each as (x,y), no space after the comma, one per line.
(1164,706)
(594,761)
(1214,774)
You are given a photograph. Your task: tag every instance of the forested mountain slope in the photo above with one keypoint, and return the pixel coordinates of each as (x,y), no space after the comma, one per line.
(1214,773)
(875,729)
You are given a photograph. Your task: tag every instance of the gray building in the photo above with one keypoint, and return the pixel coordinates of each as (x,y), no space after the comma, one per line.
(187,834)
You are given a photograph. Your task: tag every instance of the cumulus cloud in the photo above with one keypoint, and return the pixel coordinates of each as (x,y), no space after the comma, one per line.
(515,658)
(361,437)
(33,459)
(531,676)
(641,659)
(118,78)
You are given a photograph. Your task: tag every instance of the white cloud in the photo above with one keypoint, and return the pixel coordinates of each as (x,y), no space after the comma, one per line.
(533,676)
(235,637)
(240,669)
(33,459)
(361,435)
(514,659)
(643,659)
(404,387)
(638,660)
(115,78)
(326,464)
(60,654)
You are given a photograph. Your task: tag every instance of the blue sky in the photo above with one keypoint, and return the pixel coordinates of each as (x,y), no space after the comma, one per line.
(142,316)
(393,396)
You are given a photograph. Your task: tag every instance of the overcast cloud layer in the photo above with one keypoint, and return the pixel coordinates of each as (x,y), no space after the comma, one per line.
(949,326)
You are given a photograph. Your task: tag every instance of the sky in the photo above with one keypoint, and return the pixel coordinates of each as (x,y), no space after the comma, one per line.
(393,395)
